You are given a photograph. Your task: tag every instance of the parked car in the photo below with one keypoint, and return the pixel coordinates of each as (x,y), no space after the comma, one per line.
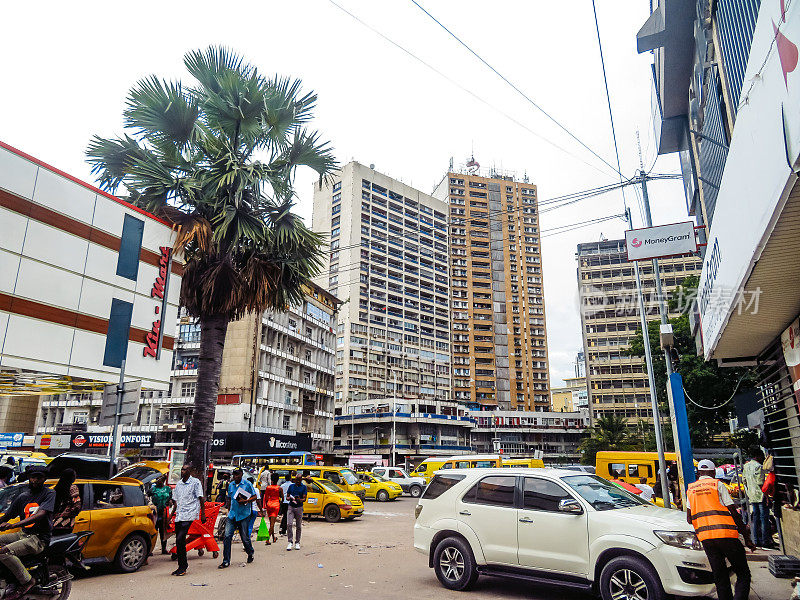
(378,488)
(87,466)
(343,477)
(332,502)
(581,468)
(410,485)
(556,526)
(428,467)
(118,514)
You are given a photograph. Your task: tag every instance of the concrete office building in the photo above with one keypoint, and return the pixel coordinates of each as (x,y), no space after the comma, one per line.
(388,262)
(617,383)
(521,433)
(572,396)
(497,296)
(276,386)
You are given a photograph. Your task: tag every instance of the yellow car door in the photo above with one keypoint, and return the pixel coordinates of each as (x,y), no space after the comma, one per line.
(108,520)
(314,499)
(83,520)
(369,486)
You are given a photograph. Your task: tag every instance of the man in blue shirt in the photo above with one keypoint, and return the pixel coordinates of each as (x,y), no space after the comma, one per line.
(241,494)
(296,494)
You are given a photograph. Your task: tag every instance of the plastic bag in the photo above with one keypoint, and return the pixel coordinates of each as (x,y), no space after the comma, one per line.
(263,531)
(768,487)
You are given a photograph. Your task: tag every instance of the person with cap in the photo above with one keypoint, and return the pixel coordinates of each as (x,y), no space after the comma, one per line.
(241,495)
(717,523)
(34,507)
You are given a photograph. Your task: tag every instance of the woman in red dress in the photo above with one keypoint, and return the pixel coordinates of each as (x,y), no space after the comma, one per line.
(273,496)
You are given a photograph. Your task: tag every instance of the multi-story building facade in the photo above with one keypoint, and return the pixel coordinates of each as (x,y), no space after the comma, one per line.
(726,87)
(276,382)
(388,261)
(412,431)
(570,397)
(618,383)
(497,294)
(515,433)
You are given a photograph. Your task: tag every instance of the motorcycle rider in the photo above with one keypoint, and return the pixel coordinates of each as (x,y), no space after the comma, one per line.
(35,508)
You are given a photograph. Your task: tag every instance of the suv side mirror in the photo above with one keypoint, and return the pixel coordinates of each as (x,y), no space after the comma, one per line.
(570,505)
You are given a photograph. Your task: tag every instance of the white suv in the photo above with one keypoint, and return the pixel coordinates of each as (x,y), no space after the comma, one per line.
(556,526)
(410,485)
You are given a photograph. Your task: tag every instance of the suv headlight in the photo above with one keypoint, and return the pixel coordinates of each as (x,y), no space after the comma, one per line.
(680,539)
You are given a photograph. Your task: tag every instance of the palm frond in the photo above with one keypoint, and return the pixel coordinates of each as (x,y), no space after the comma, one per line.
(161,112)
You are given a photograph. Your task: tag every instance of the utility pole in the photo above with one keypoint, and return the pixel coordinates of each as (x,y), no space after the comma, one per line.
(115,441)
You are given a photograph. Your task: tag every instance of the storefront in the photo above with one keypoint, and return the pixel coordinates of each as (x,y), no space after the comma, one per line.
(228,443)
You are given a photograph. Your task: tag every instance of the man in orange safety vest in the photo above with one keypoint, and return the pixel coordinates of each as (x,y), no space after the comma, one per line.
(717,523)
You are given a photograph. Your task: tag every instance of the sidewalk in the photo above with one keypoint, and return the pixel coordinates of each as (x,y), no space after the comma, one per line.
(766,587)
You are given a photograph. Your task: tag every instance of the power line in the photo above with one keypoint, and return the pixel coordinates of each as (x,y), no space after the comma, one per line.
(463,88)
(515,88)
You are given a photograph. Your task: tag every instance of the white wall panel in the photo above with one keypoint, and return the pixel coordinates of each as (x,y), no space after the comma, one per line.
(156,235)
(17,175)
(109,216)
(61,288)
(55,247)
(3,324)
(39,366)
(12,230)
(38,340)
(64,196)
(96,298)
(88,349)
(9,263)
(101,264)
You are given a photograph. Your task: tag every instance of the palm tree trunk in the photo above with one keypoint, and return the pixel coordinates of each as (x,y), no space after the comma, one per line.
(201,428)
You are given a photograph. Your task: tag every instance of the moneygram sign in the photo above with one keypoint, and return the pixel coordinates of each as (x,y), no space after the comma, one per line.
(662,241)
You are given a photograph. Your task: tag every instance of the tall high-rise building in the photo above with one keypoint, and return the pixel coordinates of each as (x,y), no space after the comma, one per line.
(388,262)
(497,293)
(609,305)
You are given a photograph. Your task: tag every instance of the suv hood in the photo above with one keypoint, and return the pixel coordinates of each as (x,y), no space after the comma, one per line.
(659,518)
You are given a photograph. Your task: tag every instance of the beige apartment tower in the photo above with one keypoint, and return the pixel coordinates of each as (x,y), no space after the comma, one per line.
(496,291)
(617,383)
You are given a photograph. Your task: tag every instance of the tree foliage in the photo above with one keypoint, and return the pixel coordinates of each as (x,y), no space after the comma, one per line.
(608,432)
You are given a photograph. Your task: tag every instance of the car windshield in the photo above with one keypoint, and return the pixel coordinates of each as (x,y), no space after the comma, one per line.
(349,476)
(9,494)
(139,472)
(602,494)
(329,486)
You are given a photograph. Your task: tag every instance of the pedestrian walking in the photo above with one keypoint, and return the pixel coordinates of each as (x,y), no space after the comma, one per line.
(753,481)
(285,503)
(647,491)
(255,507)
(161,497)
(222,487)
(296,493)
(68,503)
(188,506)
(717,523)
(241,495)
(273,500)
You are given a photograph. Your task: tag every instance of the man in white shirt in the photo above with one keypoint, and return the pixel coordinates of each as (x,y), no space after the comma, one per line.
(647,491)
(285,504)
(189,505)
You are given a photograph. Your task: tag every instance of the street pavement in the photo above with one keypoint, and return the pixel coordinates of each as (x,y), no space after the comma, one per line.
(371,557)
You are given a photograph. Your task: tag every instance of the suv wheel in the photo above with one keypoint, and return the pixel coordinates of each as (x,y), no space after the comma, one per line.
(630,578)
(416,491)
(454,564)
(382,496)
(332,513)
(132,553)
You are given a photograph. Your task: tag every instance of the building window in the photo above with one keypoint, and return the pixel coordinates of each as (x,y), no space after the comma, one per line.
(335,221)
(337,208)
(288,397)
(289,372)
(287,422)
(334,232)
(337,186)
(188,389)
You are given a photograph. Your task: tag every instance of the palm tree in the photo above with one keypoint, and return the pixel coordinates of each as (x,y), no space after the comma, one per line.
(609,432)
(218,159)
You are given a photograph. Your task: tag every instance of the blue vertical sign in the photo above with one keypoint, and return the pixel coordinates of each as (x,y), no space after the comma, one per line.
(680,433)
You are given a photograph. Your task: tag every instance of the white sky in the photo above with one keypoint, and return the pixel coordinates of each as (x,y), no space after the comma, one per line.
(67,72)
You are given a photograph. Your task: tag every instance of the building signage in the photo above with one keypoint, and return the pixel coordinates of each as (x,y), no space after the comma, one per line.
(82,441)
(159,291)
(250,442)
(11,440)
(758,171)
(661,241)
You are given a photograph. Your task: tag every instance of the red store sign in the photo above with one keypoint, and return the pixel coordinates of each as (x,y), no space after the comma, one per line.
(159,291)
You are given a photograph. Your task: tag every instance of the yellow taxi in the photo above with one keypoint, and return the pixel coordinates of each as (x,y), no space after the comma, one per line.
(118,514)
(332,502)
(378,488)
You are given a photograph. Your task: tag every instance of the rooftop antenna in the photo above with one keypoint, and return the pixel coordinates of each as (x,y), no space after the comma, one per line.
(451,164)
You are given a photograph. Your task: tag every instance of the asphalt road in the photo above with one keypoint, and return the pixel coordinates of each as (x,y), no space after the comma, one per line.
(372,557)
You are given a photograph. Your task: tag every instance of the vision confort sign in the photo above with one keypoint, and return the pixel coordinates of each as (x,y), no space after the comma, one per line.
(661,241)
(759,171)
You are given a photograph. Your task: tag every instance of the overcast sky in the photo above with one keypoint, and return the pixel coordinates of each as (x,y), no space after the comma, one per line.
(67,71)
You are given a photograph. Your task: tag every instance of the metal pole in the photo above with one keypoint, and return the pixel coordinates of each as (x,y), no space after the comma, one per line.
(115,430)
(648,356)
(394,421)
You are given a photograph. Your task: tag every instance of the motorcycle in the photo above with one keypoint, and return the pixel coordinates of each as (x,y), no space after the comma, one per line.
(50,569)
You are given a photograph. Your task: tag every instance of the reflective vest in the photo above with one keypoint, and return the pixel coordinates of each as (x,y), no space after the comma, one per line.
(710,518)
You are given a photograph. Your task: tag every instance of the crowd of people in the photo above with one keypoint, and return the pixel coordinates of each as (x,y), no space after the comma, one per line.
(244,502)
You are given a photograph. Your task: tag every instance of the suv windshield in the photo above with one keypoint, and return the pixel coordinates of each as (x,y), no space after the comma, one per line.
(349,476)
(602,494)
